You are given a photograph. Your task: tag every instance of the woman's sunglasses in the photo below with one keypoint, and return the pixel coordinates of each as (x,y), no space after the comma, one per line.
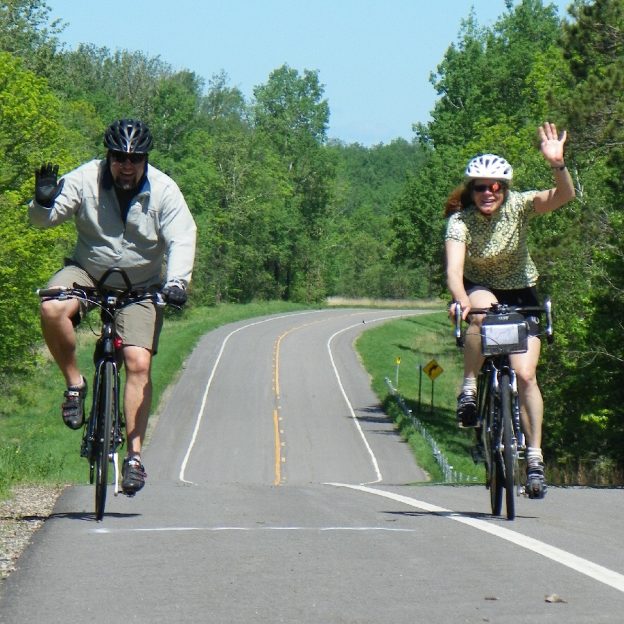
(121,157)
(495,187)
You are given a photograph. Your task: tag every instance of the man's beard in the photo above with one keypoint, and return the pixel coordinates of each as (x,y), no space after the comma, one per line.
(125,185)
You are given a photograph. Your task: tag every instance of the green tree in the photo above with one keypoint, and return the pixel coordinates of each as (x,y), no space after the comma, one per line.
(590,287)
(418,221)
(174,111)
(358,236)
(117,84)
(29,134)
(238,190)
(27,32)
(291,116)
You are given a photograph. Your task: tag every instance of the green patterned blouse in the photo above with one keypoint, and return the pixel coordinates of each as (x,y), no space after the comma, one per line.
(497,254)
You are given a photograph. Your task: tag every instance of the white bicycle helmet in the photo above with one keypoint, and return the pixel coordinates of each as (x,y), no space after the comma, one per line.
(489,166)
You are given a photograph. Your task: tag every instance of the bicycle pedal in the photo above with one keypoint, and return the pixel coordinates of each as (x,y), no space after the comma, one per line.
(535,488)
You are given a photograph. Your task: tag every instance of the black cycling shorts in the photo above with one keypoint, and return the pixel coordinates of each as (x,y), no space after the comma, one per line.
(513,297)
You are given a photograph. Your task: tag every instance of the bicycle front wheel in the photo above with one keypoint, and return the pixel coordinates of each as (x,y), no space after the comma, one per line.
(491,445)
(509,446)
(105,406)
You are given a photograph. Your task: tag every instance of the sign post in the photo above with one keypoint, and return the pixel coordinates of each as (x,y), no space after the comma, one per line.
(433,370)
(397,363)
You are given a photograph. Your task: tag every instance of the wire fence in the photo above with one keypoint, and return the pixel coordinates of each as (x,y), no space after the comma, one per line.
(449,473)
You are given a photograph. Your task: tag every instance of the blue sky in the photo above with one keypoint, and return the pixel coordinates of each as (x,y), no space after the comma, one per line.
(374,57)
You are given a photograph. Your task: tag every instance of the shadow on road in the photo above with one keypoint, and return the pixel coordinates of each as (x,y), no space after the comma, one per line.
(89,516)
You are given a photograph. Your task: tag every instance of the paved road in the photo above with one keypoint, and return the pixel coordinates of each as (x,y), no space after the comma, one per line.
(278,492)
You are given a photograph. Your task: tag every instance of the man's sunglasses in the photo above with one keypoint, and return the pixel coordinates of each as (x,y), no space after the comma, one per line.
(121,157)
(495,187)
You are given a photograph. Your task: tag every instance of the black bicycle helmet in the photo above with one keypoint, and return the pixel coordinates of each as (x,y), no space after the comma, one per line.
(129,136)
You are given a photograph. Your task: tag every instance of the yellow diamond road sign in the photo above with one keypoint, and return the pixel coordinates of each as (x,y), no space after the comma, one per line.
(433,370)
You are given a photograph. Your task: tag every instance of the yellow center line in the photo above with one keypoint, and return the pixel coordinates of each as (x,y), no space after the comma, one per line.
(276,412)
(279,459)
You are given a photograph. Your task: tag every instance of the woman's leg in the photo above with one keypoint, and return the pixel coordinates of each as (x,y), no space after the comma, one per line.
(532,405)
(532,415)
(473,359)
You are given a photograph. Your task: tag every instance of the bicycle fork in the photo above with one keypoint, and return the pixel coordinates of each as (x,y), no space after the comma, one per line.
(117,438)
(518,441)
(90,440)
(515,413)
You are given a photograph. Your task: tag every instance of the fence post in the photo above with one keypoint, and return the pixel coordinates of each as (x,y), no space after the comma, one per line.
(432,385)
(420,368)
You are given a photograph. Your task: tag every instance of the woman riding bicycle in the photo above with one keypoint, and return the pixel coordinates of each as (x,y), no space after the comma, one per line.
(487,261)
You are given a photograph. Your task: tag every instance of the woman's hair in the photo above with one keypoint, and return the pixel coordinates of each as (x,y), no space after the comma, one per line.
(459,199)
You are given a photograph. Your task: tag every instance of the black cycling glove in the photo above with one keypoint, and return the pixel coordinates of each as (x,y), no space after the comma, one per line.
(174,295)
(47,189)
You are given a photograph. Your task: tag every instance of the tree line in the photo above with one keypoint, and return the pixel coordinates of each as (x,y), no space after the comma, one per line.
(283,212)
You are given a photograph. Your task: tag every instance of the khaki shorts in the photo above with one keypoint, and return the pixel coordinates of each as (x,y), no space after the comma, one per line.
(137,325)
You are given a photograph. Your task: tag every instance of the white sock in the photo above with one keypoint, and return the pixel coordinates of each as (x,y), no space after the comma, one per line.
(79,386)
(534,454)
(470,385)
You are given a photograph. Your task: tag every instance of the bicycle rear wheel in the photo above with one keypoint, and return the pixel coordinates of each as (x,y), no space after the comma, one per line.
(106,406)
(509,455)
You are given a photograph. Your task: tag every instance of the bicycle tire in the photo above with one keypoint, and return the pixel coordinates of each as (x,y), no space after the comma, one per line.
(106,406)
(496,485)
(493,470)
(509,457)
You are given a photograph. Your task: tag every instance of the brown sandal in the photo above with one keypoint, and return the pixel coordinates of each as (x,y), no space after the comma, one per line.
(73,406)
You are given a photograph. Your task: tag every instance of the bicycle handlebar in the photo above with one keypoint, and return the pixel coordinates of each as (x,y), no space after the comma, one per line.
(502,308)
(103,295)
(93,295)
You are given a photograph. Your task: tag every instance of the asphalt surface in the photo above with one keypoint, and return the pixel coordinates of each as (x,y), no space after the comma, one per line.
(279,492)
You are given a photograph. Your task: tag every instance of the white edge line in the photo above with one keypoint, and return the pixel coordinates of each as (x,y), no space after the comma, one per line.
(373,459)
(584,566)
(202,407)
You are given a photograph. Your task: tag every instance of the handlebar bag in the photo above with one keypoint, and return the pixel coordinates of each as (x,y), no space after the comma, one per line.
(504,333)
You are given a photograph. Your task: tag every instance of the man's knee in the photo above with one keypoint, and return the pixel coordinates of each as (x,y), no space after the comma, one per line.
(137,360)
(54,311)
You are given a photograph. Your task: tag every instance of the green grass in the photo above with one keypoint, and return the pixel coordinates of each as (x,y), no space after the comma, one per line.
(416,341)
(35,446)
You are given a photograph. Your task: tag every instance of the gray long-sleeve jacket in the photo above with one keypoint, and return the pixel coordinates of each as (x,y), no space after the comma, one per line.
(159,225)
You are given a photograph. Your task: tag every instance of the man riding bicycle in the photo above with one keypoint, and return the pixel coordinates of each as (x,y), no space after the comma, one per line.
(488,261)
(130,215)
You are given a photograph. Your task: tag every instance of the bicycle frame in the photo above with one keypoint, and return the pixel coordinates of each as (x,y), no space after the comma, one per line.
(107,358)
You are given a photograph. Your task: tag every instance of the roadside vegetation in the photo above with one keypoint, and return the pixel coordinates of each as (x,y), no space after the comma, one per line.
(413,343)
